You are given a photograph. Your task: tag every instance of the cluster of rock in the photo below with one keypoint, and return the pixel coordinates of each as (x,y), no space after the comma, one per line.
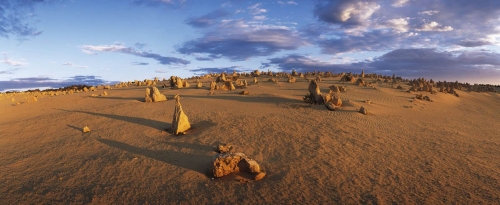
(177,82)
(226,162)
(314,96)
(154,95)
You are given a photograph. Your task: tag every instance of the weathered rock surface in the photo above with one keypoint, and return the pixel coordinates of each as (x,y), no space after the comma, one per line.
(157,96)
(227,163)
(86,129)
(363,110)
(148,98)
(180,122)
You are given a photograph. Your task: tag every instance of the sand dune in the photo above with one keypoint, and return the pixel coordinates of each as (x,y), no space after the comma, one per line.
(406,151)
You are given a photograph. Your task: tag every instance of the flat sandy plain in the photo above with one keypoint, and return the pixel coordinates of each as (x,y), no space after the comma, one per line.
(441,152)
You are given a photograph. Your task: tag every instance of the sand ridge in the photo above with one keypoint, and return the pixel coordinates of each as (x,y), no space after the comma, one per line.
(440,152)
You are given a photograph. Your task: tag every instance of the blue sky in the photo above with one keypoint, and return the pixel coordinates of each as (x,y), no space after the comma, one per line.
(54,43)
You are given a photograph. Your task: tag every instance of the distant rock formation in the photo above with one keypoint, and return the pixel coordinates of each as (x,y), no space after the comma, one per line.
(228,85)
(199,85)
(180,122)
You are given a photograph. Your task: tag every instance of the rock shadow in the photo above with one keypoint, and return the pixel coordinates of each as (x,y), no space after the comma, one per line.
(119,98)
(136,120)
(194,162)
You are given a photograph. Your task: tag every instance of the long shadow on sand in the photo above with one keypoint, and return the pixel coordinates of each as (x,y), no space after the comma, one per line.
(119,98)
(195,162)
(136,120)
(246,98)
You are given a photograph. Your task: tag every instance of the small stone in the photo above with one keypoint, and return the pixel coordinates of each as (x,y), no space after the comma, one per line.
(260,176)
(246,92)
(363,110)
(86,129)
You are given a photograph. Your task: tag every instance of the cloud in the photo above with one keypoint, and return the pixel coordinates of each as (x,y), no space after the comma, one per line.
(374,41)
(90,49)
(16,18)
(259,18)
(429,12)
(434,26)
(254,9)
(399,3)
(287,3)
(303,64)
(140,45)
(74,65)
(21,84)
(399,25)
(475,43)
(12,62)
(156,3)
(9,71)
(160,71)
(461,65)
(229,69)
(345,12)
(207,19)
(236,40)
(139,63)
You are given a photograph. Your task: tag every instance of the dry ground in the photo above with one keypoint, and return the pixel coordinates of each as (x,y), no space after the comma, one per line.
(441,152)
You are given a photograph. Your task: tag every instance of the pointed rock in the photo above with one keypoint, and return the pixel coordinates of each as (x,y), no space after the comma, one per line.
(180,123)
(157,96)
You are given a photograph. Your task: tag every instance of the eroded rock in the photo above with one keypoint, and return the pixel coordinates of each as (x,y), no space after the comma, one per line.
(180,122)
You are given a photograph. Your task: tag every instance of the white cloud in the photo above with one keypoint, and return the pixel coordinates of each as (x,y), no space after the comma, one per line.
(12,62)
(429,12)
(260,18)
(400,25)
(399,3)
(434,26)
(288,2)
(254,9)
(74,65)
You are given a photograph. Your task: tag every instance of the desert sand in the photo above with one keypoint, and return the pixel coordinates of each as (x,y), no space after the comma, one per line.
(405,151)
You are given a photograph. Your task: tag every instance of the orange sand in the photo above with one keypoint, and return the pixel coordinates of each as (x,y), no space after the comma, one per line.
(441,152)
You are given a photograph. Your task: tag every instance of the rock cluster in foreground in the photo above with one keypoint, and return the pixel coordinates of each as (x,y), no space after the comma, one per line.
(226,163)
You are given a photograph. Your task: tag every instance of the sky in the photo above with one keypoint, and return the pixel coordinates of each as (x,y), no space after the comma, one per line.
(56,43)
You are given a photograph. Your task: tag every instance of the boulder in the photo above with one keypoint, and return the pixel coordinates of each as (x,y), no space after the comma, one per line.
(363,110)
(223,148)
(213,85)
(86,129)
(315,93)
(334,89)
(157,96)
(180,122)
(199,85)
(148,98)
(336,101)
(330,106)
(226,163)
